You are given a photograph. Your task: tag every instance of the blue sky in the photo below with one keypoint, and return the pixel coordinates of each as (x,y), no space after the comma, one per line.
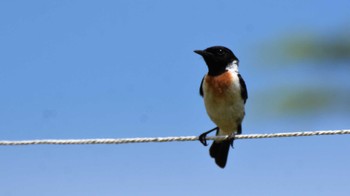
(114,69)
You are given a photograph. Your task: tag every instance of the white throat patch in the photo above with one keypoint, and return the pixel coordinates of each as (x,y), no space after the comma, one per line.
(233,67)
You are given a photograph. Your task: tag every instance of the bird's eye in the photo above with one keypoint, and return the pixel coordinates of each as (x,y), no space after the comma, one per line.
(221,52)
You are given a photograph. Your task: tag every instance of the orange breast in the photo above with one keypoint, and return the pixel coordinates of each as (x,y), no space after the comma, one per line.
(219,84)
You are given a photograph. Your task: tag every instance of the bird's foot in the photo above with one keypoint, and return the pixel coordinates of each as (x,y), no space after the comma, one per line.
(203,137)
(231,138)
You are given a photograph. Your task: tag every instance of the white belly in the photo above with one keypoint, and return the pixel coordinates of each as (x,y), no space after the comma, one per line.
(226,106)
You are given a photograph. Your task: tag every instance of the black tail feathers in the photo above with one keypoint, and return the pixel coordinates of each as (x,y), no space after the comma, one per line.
(219,151)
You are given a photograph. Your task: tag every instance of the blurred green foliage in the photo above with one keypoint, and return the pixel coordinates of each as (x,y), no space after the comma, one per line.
(322,54)
(334,48)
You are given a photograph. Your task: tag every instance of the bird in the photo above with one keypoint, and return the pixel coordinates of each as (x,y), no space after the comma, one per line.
(225,93)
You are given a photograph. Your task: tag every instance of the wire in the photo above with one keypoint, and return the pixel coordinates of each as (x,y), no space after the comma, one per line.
(167,139)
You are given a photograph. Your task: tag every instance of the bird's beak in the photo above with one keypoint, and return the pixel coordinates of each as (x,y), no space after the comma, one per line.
(201,52)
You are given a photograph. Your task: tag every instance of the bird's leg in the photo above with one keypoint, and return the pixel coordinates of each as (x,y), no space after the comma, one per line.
(231,138)
(203,137)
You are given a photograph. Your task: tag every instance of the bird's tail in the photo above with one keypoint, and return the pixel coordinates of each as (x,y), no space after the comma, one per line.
(219,151)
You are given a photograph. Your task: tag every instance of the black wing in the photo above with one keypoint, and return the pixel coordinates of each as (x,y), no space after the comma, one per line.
(244,92)
(201,88)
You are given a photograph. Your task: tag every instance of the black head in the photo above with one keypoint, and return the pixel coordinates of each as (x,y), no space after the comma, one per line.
(217,59)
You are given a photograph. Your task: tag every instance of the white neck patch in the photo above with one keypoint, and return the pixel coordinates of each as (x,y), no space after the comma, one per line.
(233,66)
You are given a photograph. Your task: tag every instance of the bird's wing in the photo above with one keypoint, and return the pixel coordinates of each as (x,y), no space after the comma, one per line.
(244,92)
(201,88)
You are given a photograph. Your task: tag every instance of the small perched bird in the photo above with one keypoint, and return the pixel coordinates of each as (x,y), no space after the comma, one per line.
(225,94)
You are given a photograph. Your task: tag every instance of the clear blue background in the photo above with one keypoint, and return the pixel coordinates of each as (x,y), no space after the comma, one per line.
(115,69)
